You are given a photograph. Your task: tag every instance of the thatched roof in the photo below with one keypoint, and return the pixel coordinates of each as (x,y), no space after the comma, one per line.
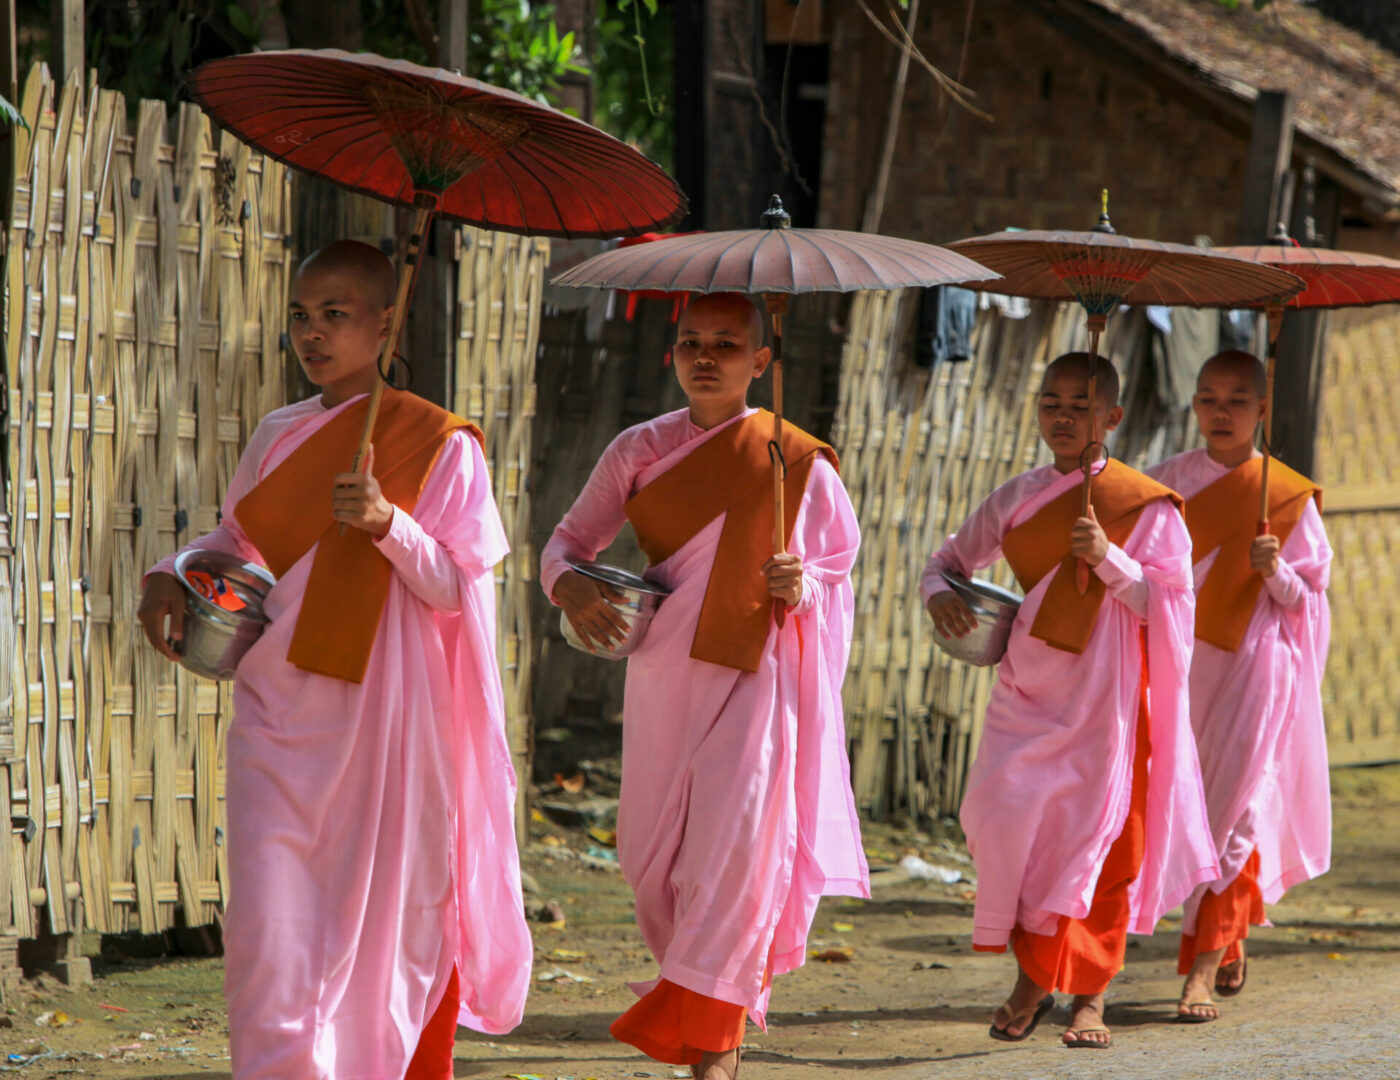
(1346,87)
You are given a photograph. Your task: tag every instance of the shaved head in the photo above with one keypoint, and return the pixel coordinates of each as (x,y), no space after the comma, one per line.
(746,315)
(369,267)
(1076,364)
(1240,364)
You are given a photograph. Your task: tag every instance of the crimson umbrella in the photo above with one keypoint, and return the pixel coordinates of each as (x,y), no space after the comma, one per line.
(1101,269)
(777,261)
(1332,279)
(439,143)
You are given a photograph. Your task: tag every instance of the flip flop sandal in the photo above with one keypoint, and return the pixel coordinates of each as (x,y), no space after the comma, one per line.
(1002,1035)
(1193,1018)
(1224,989)
(1090,1044)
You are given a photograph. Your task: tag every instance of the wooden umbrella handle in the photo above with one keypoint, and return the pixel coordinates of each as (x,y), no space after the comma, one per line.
(1081,571)
(1275,316)
(407,273)
(776,450)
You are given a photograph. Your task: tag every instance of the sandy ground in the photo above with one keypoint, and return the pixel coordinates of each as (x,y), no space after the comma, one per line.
(909,1000)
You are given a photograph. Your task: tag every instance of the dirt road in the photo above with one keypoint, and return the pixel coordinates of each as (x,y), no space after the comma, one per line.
(910,1000)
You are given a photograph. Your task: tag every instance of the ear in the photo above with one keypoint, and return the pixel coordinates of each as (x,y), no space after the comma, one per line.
(386,320)
(761,358)
(1115,417)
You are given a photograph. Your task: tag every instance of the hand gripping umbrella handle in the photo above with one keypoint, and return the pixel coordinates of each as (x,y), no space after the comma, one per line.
(777,304)
(407,276)
(1275,317)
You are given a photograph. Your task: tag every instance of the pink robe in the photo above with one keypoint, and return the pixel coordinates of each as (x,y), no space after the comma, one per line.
(1257,712)
(736,813)
(1049,790)
(370,827)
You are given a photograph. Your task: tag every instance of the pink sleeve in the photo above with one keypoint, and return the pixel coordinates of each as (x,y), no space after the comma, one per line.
(976,544)
(594,520)
(228,536)
(825,536)
(1123,576)
(454,528)
(1304,564)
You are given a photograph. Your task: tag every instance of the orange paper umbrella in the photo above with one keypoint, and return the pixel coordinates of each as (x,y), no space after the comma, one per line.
(777,261)
(439,143)
(1332,279)
(1102,269)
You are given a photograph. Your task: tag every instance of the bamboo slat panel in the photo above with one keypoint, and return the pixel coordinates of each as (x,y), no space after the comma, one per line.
(919,450)
(139,263)
(1359,469)
(500,282)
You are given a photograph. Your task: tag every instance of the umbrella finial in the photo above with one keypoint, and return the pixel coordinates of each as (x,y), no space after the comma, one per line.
(1104,225)
(775,217)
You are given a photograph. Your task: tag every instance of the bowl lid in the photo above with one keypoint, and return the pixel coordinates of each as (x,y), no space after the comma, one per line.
(622,579)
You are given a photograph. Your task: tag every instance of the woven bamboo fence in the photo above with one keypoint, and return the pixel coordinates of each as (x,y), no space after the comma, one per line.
(1357,453)
(141,263)
(919,450)
(500,281)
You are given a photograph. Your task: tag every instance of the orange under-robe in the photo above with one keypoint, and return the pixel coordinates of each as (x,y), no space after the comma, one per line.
(679,1026)
(1224,918)
(432,1060)
(1083,955)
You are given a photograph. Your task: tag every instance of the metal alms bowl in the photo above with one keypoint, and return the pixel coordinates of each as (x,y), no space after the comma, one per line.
(215,638)
(641,599)
(995,609)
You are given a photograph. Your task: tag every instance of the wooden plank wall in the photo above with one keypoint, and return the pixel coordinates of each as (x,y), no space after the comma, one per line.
(140,260)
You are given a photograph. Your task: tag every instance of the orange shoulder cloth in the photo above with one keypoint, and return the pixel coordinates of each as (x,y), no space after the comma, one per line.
(1225,515)
(728,473)
(289,512)
(1034,548)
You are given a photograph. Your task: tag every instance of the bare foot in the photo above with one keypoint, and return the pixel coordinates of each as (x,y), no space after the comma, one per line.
(1230,978)
(723,1066)
(1017,1013)
(1086,1027)
(1195,1006)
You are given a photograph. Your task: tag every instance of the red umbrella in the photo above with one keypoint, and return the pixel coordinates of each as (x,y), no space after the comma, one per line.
(1332,279)
(439,143)
(776,260)
(1102,269)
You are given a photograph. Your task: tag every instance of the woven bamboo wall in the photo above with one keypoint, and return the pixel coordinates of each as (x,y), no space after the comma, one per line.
(140,263)
(919,450)
(500,280)
(1358,465)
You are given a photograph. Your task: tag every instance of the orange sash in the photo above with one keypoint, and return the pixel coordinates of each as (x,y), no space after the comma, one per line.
(1066,619)
(290,511)
(729,473)
(1224,515)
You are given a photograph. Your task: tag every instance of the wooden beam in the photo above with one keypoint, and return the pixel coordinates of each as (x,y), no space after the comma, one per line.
(66,46)
(875,203)
(1270,149)
(452,35)
(9,73)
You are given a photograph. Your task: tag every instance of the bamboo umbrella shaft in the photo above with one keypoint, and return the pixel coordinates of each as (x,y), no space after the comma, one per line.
(421,220)
(1081,572)
(777,304)
(1275,317)
(422,217)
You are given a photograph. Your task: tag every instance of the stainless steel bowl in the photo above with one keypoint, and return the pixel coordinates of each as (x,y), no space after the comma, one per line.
(215,638)
(995,609)
(642,598)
